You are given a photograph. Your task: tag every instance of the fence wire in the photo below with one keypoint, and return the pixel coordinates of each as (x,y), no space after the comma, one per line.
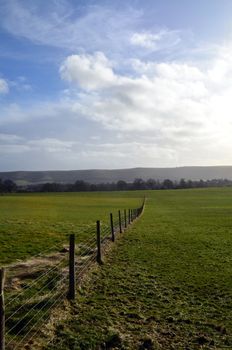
(28,308)
(29,287)
(32,318)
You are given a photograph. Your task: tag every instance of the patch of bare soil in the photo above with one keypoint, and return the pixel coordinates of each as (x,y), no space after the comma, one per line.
(18,273)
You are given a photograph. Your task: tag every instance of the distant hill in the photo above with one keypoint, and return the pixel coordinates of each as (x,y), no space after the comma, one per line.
(128,175)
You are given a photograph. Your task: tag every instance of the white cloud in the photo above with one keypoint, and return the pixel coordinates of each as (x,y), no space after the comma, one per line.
(89,71)
(155,41)
(51,145)
(182,104)
(20,83)
(164,113)
(164,110)
(59,24)
(150,101)
(4,88)
(15,113)
(8,138)
(44,154)
(16,144)
(82,29)
(12,144)
(13,149)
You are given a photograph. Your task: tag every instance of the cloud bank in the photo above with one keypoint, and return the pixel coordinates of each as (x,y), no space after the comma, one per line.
(129,95)
(172,98)
(4,88)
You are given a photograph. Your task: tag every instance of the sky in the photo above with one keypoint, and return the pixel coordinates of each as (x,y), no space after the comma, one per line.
(97,84)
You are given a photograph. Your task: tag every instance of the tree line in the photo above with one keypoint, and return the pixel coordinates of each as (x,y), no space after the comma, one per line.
(9,186)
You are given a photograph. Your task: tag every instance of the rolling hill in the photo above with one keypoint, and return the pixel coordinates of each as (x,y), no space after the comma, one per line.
(128,175)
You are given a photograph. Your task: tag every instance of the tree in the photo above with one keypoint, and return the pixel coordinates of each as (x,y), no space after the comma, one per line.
(80,186)
(9,186)
(50,187)
(151,184)
(168,184)
(1,186)
(121,185)
(183,183)
(139,184)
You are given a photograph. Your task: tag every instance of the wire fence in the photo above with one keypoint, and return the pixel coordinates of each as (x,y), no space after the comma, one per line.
(31,302)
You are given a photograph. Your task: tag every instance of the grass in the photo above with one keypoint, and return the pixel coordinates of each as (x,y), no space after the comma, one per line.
(167,282)
(35,223)
(39,223)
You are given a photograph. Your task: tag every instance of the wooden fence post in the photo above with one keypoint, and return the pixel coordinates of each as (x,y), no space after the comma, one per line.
(112,227)
(99,260)
(120,221)
(129,221)
(71,293)
(125,223)
(2,310)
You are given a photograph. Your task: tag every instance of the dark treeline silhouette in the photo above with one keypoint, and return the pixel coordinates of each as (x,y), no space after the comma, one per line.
(8,186)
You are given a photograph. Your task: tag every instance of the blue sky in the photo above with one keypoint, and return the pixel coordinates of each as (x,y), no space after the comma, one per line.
(115,84)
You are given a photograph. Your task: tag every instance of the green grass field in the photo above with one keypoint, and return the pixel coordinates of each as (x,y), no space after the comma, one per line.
(36,223)
(167,282)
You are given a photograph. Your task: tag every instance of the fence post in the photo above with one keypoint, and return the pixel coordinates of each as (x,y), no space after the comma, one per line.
(120,222)
(99,260)
(2,310)
(112,227)
(125,223)
(129,221)
(71,294)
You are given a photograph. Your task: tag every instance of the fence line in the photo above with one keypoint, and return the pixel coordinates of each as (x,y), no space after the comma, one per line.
(25,310)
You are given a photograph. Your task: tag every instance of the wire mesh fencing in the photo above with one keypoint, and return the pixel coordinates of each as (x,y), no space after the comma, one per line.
(25,312)
(28,305)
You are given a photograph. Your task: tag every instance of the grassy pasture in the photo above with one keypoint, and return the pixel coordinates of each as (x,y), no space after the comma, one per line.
(167,282)
(35,223)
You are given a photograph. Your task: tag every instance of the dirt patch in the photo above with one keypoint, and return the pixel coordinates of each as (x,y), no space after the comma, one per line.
(17,274)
